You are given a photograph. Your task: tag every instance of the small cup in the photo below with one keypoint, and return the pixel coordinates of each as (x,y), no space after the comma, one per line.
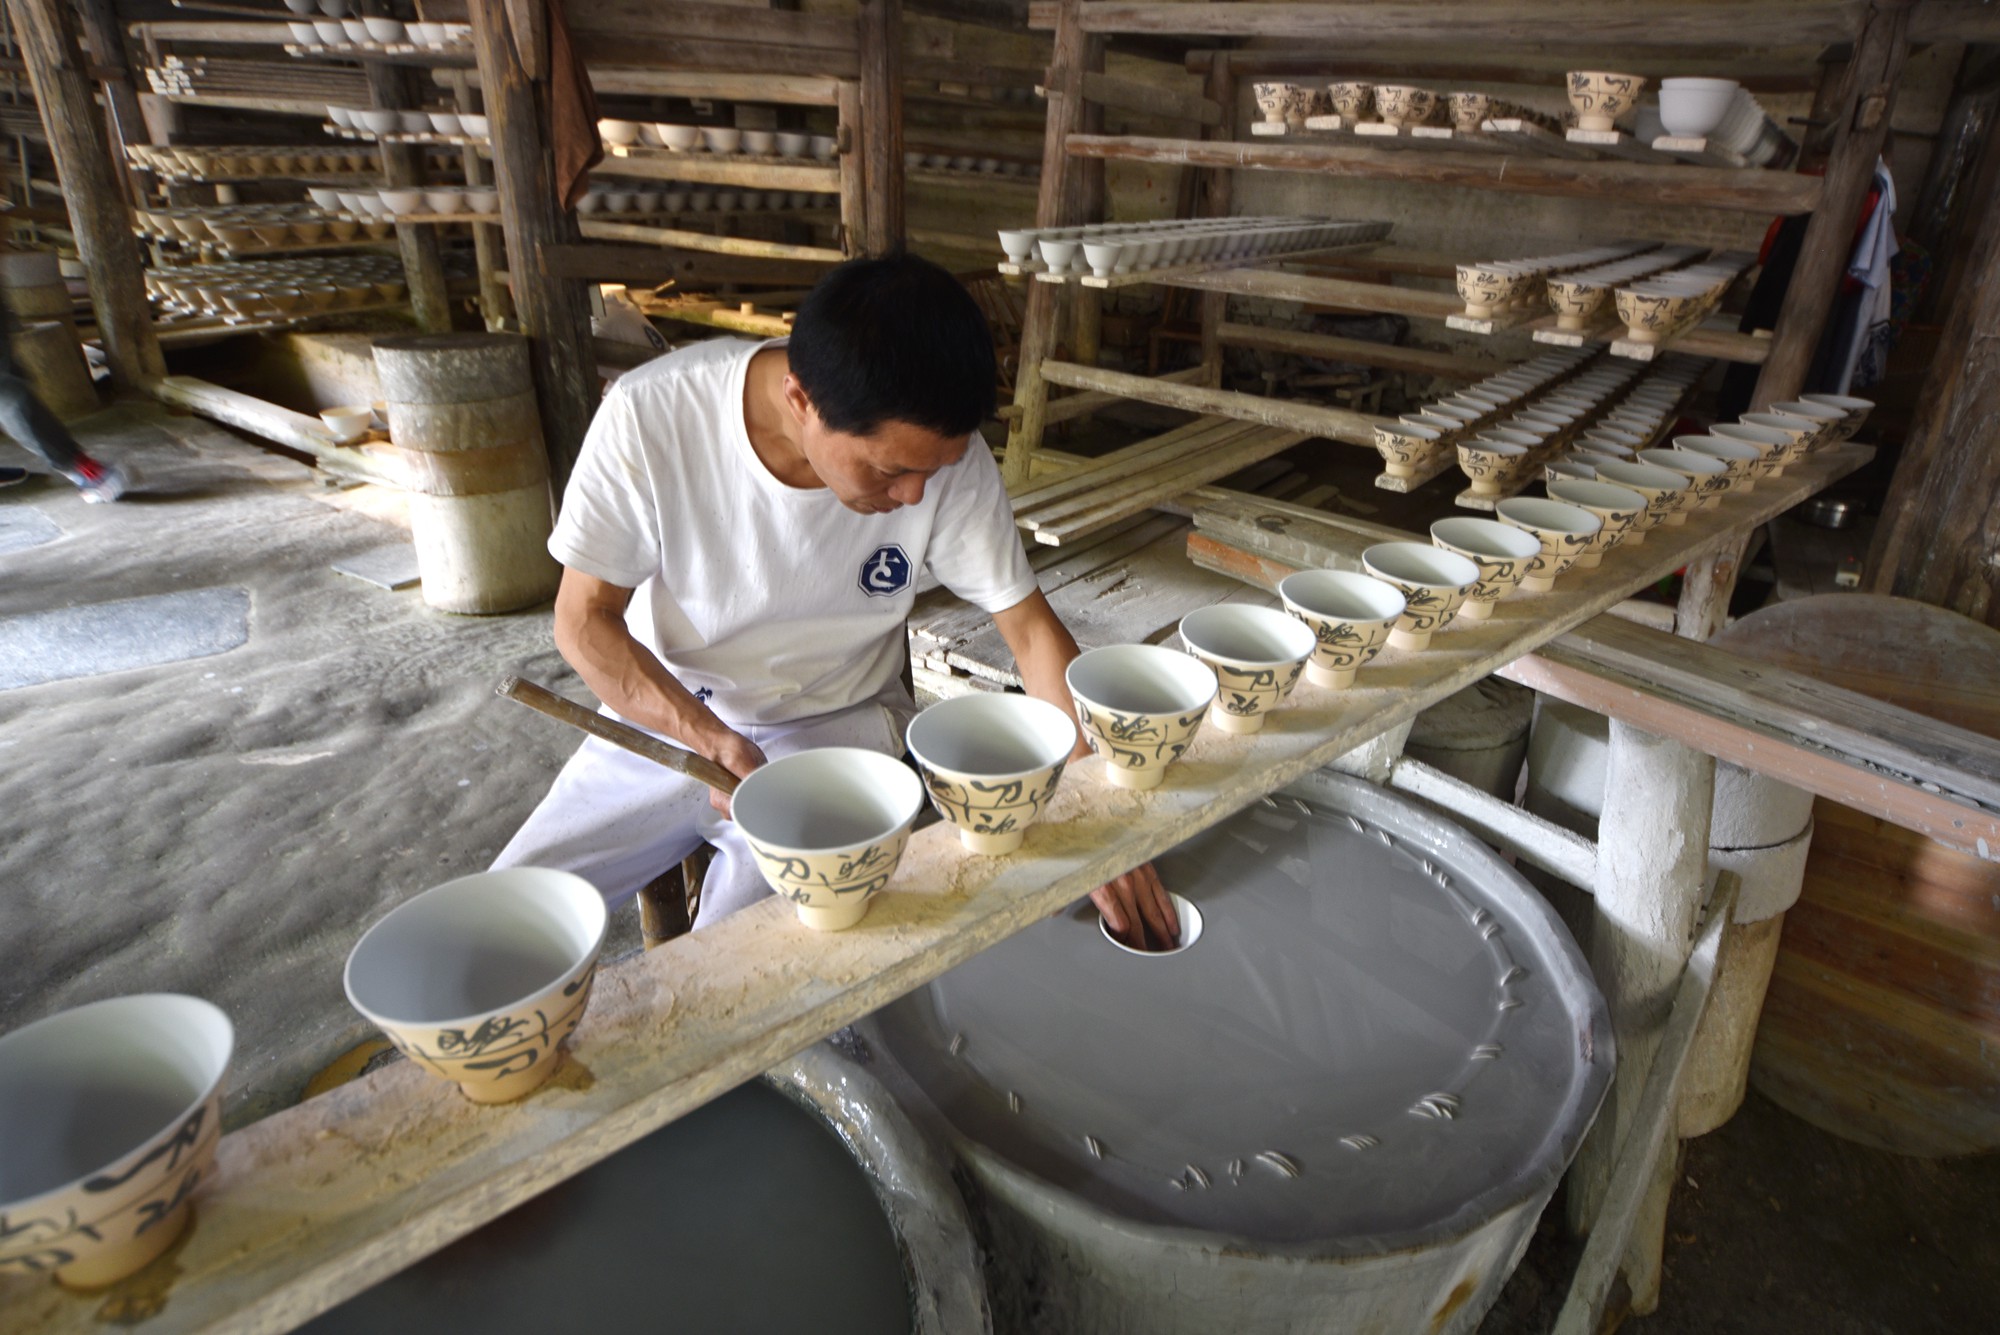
(1349,614)
(1743,461)
(1256,653)
(1708,477)
(1405,449)
(1140,706)
(1600,97)
(1434,584)
(1489,465)
(827,828)
(1564,532)
(1621,509)
(1666,491)
(991,763)
(1501,552)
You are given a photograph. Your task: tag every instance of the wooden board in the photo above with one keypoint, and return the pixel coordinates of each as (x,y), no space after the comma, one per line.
(1527,136)
(1173,274)
(1603,330)
(1493,324)
(1444,463)
(1614,144)
(313,1204)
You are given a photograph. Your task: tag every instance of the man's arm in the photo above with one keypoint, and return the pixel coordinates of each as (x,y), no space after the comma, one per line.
(591,635)
(1043,648)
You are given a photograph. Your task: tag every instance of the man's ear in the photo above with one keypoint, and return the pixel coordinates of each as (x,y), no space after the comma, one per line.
(796,400)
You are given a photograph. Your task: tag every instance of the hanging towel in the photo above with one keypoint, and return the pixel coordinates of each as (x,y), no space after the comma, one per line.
(1867,352)
(573,140)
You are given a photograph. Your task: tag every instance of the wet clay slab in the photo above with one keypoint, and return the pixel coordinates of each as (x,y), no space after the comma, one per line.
(1376,1032)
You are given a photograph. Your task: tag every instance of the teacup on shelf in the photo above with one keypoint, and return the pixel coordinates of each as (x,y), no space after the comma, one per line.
(1350,616)
(1666,492)
(1775,447)
(1490,465)
(1270,102)
(827,828)
(1403,104)
(1468,110)
(991,763)
(1620,509)
(1256,653)
(1742,460)
(1501,552)
(1565,532)
(1352,100)
(1708,477)
(1854,411)
(1575,301)
(1407,449)
(1140,706)
(1600,98)
(1434,584)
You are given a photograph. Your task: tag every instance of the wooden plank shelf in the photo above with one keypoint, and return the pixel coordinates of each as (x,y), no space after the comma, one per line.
(1310,419)
(302,248)
(1526,136)
(1445,461)
(313,1204)
(1493,324)
(1700,151)
(769,172)
(1603,330)
(595,227)
(1173,274)
(1701,341)
(1673,185)
(1617,144)
(404,136)
(392,53)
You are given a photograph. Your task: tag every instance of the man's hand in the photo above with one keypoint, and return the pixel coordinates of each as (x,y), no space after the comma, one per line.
(1138,911)
(735,753)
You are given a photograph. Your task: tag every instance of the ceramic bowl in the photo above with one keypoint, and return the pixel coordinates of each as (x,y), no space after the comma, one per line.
(1406,449)
(721,139)
(827,828)
(1140,706)
(1484,288)
(109,1118)
(1350,615)
(1565,532)
(991,762)
(1270,102)
(480,980)
(347,424)
(1469,111)
(1825,421)
(1434,584)
(1666,491)
(792,144)
(1403,104)
(1501,552)
(1707,477)
(1491,464)
(1620,508)
(1600,97)
(1779,445)
(1692,108)
(1648,316)
(1257,655)
(1854,410)
(1352,100)
(403,201)
(1576,302)
(1743,461)
(384,30)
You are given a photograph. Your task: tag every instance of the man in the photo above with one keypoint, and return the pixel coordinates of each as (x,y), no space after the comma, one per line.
(26,419)
(741,541)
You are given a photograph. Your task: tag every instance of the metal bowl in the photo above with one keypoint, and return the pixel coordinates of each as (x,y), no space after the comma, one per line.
(1829,512)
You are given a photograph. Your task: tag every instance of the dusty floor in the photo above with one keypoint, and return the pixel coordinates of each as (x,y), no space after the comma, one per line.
(227,825)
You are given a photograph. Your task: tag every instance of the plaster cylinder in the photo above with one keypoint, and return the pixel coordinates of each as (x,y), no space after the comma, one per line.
(1755,811)
(1717,1073)
(1479,736)
(471,443)
(50,359)
(1341,1108)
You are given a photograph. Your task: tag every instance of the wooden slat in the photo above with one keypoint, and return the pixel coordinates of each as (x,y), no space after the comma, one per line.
(1149,99)
(1091,472)
(1067,521)
(617,76)
(1388,356)
(1311,419)
(725,23)
(1333,293)
(597,230)
(768,173)
(1072,406)
(1669,186)
(664,52)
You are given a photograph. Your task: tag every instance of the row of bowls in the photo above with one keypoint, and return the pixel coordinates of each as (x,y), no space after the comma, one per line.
(1491,286)
(966,162)
(251,227)
(1600,408)
(676,197)
(1107,248)
(373,120)
(274,288)
(717,139)
(366,205)
(1412,443)
(827,828)
(1657,308)
(379,32)
(248,160)
(1396,104)
(1578,295)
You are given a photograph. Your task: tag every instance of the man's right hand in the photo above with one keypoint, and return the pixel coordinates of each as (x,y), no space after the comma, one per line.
(735,753)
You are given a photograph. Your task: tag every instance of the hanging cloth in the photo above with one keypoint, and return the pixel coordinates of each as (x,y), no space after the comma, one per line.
(1866,355)
(574,141)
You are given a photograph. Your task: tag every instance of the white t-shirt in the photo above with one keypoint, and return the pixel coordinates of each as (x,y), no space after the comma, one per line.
(772,603)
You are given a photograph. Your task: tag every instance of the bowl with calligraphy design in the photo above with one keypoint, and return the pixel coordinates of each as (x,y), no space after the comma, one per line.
(1621,509)
(1666,492)
(1502,554)
(1601,97)
(1350,615)
(1564,532)
(1707,477)
(1742,461)
(1401,103)
(1493,460)
(1469,111)
(1484,288)
(1406,448)
(1575,301)
(1352,99)
(1434,584)
(1854,411)
(1257,655)
(1271,101)
(827,828)
(1799,437)
(991,763)
(1776,445)
(1826,421)
(1140,706)
(480,980)
(109,1118)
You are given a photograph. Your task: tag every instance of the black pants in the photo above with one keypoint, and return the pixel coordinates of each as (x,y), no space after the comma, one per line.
(27,419)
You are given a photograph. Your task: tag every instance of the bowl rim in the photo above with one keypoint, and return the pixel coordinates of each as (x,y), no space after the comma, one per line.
(1256,613)
(1172,660)
(987,702)
(1299,579)
(894,771)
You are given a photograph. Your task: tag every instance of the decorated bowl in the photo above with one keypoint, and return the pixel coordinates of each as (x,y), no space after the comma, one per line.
(1140,706)
(991,763)
(827,828)
(1257,655)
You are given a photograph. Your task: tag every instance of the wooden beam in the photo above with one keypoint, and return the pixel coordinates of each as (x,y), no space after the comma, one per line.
(315,1203)
(393,89)
(1339,424)
(594,262)
(1510,828)
(124,122)
(1667,186)
(1150,100)
(1753,68)
(552,311)
(1388,356)
(615,19)
(664,52)
(274,423)
(1862,129)
(623,78)
(112,263)
(598,230)
(880,131)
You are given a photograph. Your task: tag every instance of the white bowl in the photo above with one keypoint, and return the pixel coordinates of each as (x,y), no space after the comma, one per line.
(794,145)
(377,122)
(991,762)
(481,979)
(759,141)
(347,424)
(721,139)
(1693,108)
(1019,245)
(827,828)
(1501,552)
(1257,655)
(386,31)
(1140,706)
(1434,584)
(473,126)
(678,137)
(1350,615)
(1564,531)
(109,1118)
(1621,510)
(622,134)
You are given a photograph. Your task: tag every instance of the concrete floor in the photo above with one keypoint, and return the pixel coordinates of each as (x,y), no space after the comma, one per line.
(227,825)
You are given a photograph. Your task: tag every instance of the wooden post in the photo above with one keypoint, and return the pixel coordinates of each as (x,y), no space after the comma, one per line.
(1218,185)
(1087,304)
(1939,541)
(1706,587)
(553,313)
(881,125)
(402,167)
(489,247)
(1059,205)
(1869,96)
(99,219)
(123,122)
(853,170)
(1652,859)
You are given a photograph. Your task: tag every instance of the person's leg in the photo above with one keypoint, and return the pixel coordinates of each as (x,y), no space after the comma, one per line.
(614,818)
(733,881)
(25,418)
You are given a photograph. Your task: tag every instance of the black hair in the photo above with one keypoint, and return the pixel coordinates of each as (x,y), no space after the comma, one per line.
(893,339)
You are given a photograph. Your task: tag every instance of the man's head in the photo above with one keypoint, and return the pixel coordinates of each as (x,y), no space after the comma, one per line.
(891,370)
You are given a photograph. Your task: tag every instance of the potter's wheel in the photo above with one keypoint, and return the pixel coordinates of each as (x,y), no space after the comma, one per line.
(1381,1030)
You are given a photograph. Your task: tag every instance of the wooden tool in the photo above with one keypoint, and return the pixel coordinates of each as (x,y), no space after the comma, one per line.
(543,700)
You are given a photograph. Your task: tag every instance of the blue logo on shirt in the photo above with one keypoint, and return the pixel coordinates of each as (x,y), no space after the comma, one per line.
(886,572)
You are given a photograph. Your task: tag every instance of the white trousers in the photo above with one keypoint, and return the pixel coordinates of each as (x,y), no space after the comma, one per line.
(618,820)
